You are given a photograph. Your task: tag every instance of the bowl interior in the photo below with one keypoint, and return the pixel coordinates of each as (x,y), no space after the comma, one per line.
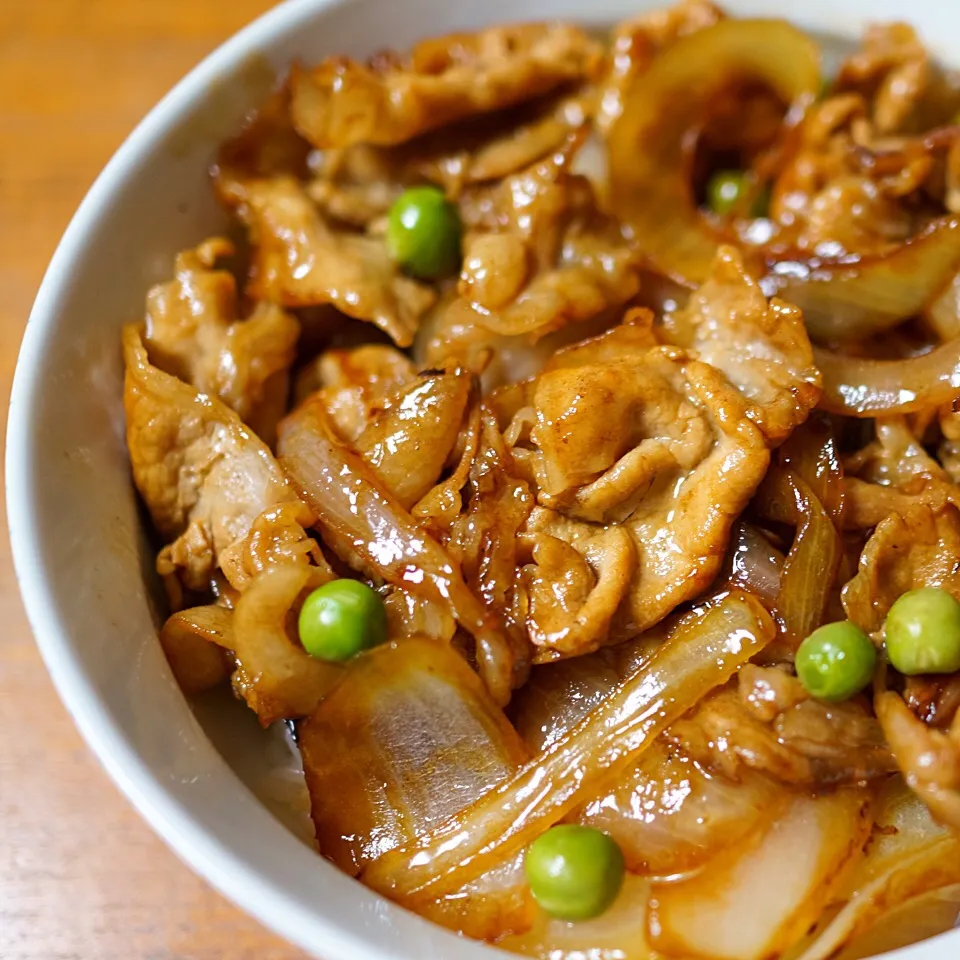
(222,791)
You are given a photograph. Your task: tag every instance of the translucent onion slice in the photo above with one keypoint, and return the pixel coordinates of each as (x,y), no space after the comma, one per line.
(758,902)
(811,452)
(275,675)
(192,640)
(909,855)
(754,564)
(651,145)
(409,737)
(811,566)
(361,519)
(670,816)
(702,653)
(558,696)
(860,387)
(943,314)
(493,906)
(917,919)
(858,297)
(619,934)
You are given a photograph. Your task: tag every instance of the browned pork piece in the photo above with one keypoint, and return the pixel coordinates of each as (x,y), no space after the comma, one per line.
(193,332)
(341,102)
(204,476)
(539,255)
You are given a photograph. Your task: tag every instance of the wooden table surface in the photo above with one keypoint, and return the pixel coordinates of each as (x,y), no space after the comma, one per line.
(81,876)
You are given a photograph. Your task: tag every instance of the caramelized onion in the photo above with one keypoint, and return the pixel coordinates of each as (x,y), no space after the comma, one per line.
(811,566)
(758,901)
(917,919)
(812,454)
(391,716)
(861,387)
(703,652)
(191,639)
(558,696)
(909,855)
(754,564)
(668,104)
(618,934)
(670,816)
(361,519)
(275,675)
(365,749)
(856,297)
(943,314)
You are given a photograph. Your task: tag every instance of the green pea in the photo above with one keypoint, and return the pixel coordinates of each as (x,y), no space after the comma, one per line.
(729,190)
(574,872)
(836,661)
(423,233)
(340,619)
(922,632)
(760,207)
(725,191)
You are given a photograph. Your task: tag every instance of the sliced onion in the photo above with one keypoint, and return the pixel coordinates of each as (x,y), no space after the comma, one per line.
(558,696)
(275,675)
(857,297)
(667,106)
(903,824)
(703,652)
(361,519)
(917,919)
(754,564)
(191,639)
(860,387)
(758,902)
(908,856)
(811,566)
(812,454)
(670,816)
(493,906)
(618,934)
(381,768)
(393,716)
(943,314)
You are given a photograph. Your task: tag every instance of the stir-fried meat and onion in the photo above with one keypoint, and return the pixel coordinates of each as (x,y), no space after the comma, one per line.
(572,455)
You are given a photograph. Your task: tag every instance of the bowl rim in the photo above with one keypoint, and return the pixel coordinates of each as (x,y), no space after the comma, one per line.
(215,863)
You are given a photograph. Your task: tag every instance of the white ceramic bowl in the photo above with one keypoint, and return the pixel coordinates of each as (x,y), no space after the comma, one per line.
(77,539)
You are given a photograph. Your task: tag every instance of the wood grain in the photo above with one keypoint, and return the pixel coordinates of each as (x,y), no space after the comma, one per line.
(81,876)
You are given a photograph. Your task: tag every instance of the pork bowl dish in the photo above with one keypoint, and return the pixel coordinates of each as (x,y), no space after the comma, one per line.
(566,446)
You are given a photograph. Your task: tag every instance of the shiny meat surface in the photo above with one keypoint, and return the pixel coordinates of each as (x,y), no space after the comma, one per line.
(204,476)
(665,452)
(636,42)
(762,347)
(538,254)
(304,261)
(390,100)
(919,549)
(193,332)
